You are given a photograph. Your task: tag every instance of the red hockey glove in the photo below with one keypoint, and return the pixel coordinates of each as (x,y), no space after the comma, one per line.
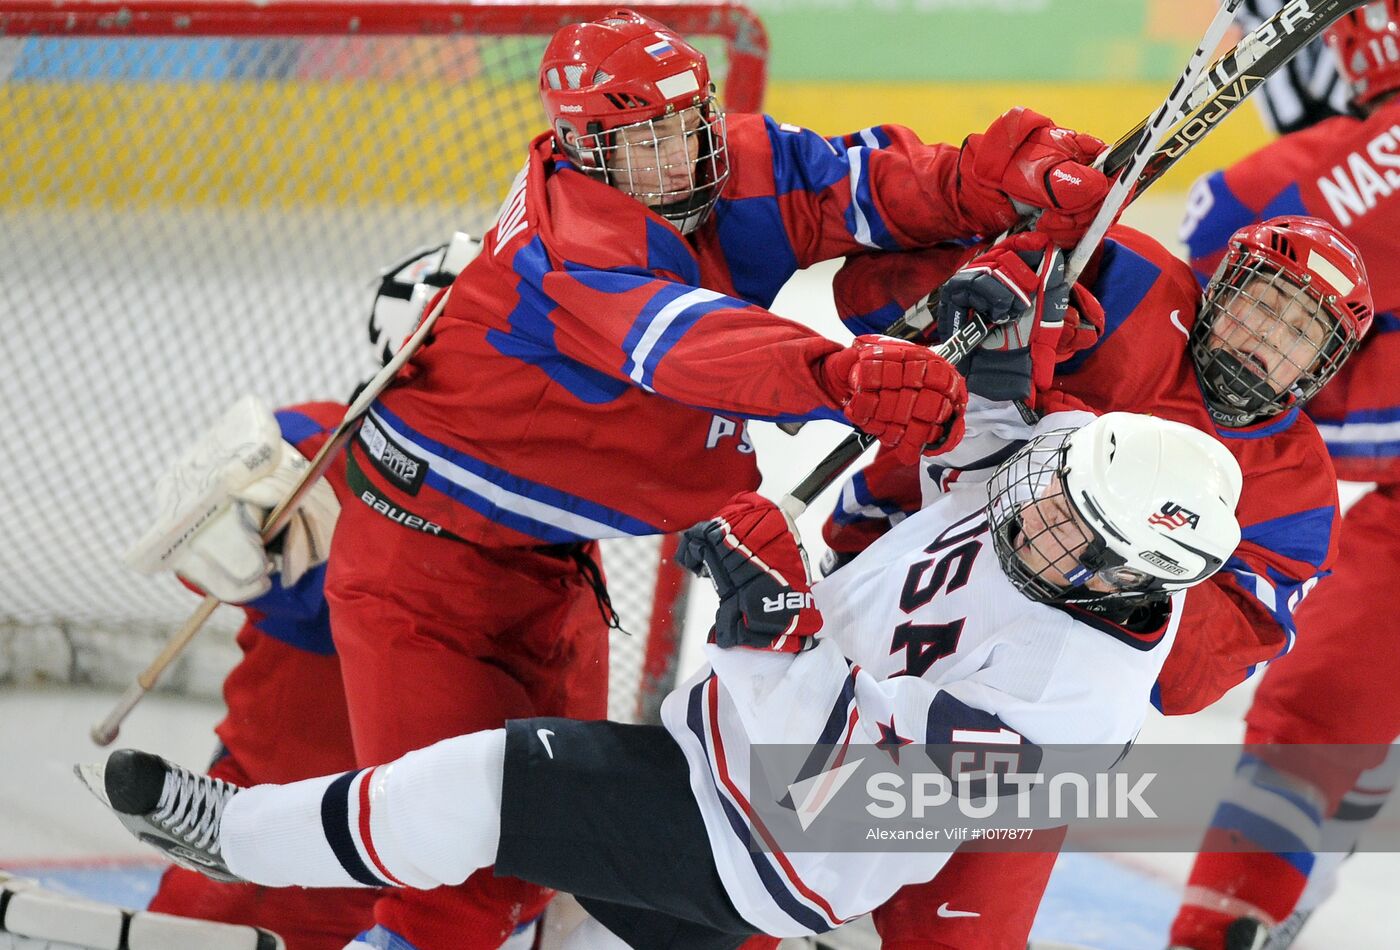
(1084,323)
(760,571)
(903,394)
(1026,157)
(1019,286)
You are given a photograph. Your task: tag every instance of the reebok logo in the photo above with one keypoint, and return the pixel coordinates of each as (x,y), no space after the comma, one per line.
(1062,175)
(544,735)
(945,911)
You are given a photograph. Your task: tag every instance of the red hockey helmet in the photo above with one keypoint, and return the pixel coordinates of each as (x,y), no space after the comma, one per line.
(631,103)
(1287,306)
(1366,43)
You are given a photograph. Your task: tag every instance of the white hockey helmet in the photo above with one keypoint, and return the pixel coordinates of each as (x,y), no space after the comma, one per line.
(1128,507)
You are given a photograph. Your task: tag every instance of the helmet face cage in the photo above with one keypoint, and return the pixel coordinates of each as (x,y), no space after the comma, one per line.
(1265,340)
(1047,549)
(676,163)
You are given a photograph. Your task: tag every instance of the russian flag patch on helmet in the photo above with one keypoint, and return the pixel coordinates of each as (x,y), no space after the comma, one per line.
(660,50)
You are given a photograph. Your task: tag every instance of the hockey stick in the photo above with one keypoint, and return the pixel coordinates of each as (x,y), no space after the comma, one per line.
(1148,140)
(105,731)
(1228,83)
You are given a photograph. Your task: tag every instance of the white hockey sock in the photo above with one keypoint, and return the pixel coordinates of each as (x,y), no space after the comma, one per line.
(430,818)
(271,834)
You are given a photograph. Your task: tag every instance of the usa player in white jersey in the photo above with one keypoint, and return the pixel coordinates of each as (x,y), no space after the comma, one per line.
(1056,583)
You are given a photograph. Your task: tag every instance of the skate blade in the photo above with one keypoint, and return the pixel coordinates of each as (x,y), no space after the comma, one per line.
(94,777)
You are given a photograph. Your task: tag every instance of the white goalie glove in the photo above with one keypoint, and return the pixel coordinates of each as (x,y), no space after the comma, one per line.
(211,504)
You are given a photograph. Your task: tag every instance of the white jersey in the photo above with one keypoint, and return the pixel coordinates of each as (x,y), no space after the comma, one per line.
(942,648)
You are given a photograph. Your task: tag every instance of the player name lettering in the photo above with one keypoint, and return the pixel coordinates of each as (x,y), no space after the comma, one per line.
(1354,188)
(512,220)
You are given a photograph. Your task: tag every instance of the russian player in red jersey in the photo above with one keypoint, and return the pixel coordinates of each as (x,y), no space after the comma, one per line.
(1280,316)
(1301,816)
(591,376)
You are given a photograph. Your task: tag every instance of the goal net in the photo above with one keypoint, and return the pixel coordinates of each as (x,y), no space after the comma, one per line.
(196,199)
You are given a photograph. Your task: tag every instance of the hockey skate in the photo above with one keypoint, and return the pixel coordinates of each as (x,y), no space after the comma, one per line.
(168,807)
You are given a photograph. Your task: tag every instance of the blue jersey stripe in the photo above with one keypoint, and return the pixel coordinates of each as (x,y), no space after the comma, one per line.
(1125,278)
(296,426)
(531,335)
(663,321)
(756,246)
(1386,323)
(876,321)
(1363,450)
(1286,202)
(508,498)
(1226,215)
(1302,536)
(1262,430)
(667,250)
(1363,433)
(1379,416)
(863,219)
(803,160)
(858,503)
(298,615)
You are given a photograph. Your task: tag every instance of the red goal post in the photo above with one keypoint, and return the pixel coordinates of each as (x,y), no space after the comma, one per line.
(736,26)
(195,201)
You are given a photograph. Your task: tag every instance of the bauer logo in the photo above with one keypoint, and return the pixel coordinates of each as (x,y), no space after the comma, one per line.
(1162,561)
(791,600)
(394,463)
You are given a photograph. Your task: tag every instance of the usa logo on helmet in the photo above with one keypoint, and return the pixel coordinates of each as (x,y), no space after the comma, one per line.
(1173,516)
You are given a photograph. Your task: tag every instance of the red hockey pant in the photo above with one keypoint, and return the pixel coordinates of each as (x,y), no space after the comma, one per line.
(439,638)
(980,900)
(1339,684)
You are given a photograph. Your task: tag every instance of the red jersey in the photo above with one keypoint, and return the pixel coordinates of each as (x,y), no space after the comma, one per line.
(592,371)
(1347,171)
(1287,512)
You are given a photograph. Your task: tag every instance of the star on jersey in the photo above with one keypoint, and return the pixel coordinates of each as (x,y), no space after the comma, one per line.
(891,740)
